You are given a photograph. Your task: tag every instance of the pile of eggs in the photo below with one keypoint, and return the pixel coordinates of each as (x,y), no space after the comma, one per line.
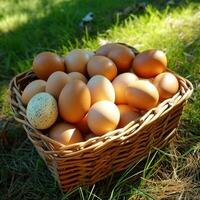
(88,94)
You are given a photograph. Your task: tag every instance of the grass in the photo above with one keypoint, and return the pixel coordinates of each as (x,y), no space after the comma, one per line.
(28,28)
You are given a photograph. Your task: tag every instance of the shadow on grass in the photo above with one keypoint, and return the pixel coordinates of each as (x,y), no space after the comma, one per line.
(23,175)
(59,28)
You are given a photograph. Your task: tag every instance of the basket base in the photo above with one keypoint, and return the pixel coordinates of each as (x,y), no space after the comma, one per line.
(67,185)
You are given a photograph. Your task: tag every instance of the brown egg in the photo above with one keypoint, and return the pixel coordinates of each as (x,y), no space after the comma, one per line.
(65,133)
(78,75)
(120,83)
(122,56)
(150,63)
(76,61)
(127,114)
(45,63)
(83,125)
(167,85)
(56,83)
(101,89)
(100,65)
(103,117)
(74,101)
(104,49)
(142,94)
(31,89)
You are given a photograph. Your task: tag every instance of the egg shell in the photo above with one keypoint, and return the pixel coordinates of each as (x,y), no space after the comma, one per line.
(45,63)
(65,133)
(101,89)
(103,117)
(104,49)
(149,63)
(142,94)
(122,56)
(120,83)
(78,75)
(76,61)
(83,125)
(32,89)
(74,101)
(166,84)
(100,65)
(56,83)
(42,110)
(127,114)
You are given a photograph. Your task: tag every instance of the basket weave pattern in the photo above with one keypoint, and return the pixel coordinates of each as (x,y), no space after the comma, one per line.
(90,161)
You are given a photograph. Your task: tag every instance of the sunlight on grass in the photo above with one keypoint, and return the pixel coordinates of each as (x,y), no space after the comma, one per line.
(171,32)
(51,25)
(14,16)
(12,22)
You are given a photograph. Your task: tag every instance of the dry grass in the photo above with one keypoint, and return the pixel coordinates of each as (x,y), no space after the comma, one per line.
(177,175)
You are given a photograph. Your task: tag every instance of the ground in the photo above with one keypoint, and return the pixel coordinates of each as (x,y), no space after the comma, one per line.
(28,27)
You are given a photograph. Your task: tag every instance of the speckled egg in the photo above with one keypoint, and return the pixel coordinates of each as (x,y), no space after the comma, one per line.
(42,110)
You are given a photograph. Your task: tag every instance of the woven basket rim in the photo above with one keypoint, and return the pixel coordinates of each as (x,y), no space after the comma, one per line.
(185,90)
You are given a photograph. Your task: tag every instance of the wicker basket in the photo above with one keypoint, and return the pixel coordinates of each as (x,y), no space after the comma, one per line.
(87,162)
